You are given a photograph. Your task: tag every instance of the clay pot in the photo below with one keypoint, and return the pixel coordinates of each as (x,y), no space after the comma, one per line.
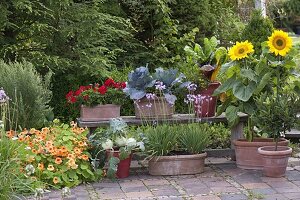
(123,166)
(246,153)
(177,164)
(155,108)
(206,106)
(99,112)
(275,162)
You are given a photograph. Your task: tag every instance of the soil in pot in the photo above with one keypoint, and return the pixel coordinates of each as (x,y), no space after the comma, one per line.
(275,162)
(246,153)
(177,164)
(153,108)
(99,112)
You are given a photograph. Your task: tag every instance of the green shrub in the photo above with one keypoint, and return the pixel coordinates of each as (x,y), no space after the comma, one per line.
(257,30)
(28,92)
(219,136)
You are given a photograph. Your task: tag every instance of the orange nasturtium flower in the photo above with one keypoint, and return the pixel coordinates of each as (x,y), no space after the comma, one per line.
(77,151)
(55,180)
(50,168)
(10,133)
(58,160)
(84,157)
(41,166)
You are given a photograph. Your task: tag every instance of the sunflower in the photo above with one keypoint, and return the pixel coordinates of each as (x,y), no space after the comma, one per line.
(241,50)
(279,43)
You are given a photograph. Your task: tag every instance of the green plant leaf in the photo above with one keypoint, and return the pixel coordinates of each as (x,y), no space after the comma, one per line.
(84,167)
(243,92)
(231,114)
(229,83)
(249,74)
(263,82)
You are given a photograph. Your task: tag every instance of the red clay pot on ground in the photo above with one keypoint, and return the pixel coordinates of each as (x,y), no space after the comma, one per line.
(246,153)
(155,108)
(99,112)
(123,166)
(275,162)
(207,106)
(177,164)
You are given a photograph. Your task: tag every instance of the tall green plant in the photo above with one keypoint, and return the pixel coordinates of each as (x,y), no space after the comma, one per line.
(29,94)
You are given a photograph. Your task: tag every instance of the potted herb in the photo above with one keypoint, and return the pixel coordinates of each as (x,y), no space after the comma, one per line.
(177,149)
(118,142)
(154,94)
(98,102)
(205,61)
(277,112)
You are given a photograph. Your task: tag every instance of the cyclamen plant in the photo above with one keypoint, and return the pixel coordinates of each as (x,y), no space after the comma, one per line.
(108,93)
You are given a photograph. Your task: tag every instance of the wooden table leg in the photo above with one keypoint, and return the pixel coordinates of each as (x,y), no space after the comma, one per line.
(236,133)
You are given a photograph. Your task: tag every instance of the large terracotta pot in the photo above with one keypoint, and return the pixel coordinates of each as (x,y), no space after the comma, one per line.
(246,153)
(99,112)
(275,162)
(177,164)
(154,108)
(205,105)
(123,166)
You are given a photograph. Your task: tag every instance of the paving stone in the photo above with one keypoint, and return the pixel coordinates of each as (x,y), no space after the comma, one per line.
(209,197)
(281,184)
(135,189)
(294,195)
(156,182)
(139,194)
(220,183)
(275,197)
(165,190)
(234,197)
(198,191)
(297,168)
(224,189)
(106,185)
(135,183)
(264,191)
(296,183)
(293,175)
(270,179)
(287,190)
(255,185)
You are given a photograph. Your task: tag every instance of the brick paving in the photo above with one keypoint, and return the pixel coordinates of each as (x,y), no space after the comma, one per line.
(222,180)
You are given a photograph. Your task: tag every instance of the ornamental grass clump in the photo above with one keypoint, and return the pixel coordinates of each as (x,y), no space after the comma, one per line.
(56,155)
(183,139)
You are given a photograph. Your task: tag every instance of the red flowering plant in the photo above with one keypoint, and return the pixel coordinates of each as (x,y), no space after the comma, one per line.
(108,93)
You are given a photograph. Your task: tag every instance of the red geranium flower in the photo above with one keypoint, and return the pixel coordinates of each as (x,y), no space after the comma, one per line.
(123,85)
(102,89)
(109,82)
(70,97)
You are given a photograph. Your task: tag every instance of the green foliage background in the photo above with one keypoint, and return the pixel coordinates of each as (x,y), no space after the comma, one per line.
(85,41)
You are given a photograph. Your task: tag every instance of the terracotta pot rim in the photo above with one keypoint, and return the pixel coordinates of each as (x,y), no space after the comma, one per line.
(270,150)
(179,157)
(101,105)
(259,142)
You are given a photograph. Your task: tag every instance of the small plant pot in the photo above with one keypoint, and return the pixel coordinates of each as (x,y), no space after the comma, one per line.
(99,112)
(275,162)
(177,164)
(157,108)
(206,104)
(123,166)
(247,156)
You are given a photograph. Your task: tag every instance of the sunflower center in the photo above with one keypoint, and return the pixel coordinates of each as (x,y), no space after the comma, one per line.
(241,50)
(279,43)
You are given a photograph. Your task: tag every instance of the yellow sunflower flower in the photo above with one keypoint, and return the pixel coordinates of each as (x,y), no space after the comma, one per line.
(241,50)
(279,43)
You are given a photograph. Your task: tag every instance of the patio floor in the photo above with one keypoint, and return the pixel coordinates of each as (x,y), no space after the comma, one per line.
(221,180)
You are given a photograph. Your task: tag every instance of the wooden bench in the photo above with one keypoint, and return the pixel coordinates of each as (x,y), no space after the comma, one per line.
(236,131)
